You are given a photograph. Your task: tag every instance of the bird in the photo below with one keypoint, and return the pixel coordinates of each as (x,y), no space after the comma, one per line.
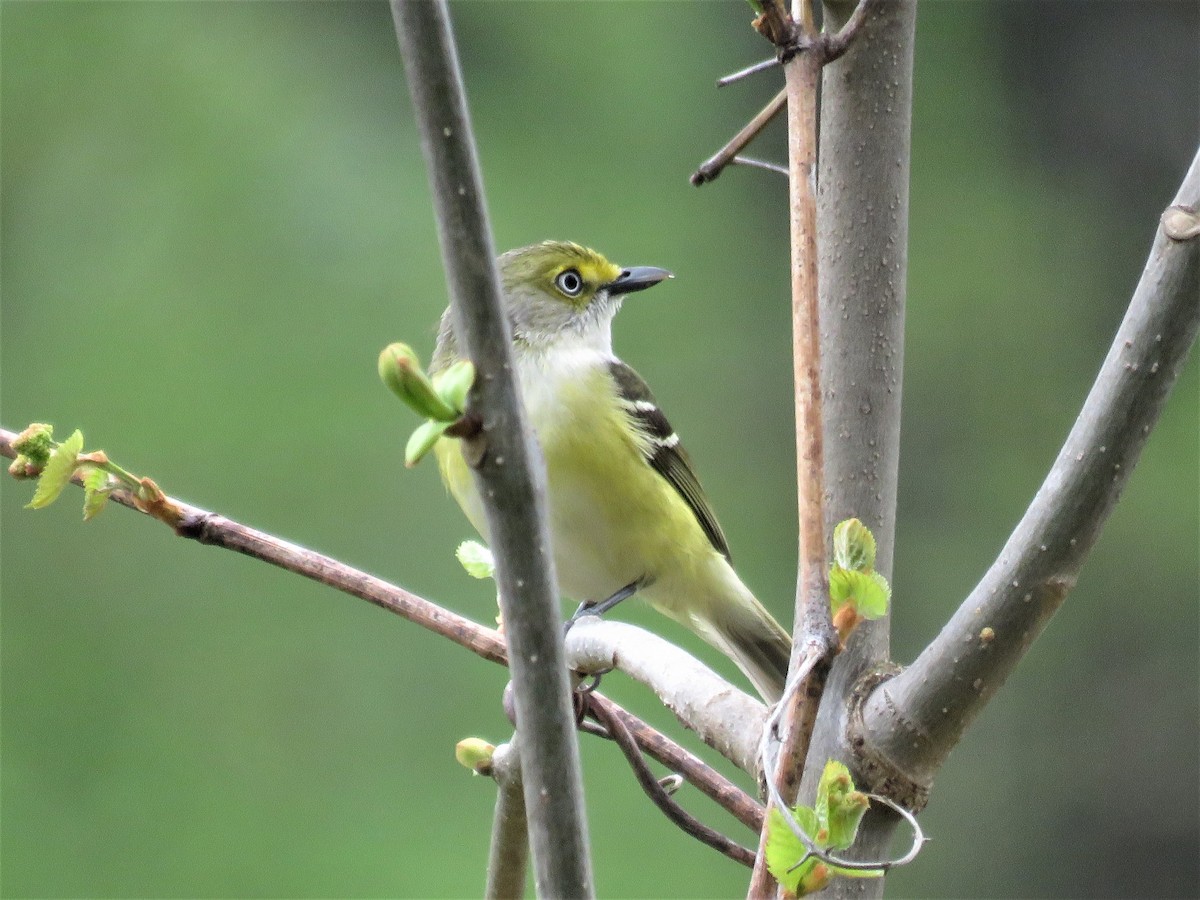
(627,514)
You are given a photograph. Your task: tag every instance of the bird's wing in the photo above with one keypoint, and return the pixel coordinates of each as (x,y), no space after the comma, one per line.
(663,451)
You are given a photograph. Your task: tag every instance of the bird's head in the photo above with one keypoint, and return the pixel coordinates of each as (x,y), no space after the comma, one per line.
(557,290)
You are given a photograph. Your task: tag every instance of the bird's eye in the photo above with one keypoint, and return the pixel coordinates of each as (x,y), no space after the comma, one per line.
(569,282)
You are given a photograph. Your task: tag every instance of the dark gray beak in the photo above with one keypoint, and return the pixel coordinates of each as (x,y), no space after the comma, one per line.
(637,278)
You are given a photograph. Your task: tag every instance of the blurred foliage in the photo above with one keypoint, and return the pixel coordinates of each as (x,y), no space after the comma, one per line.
(214,217)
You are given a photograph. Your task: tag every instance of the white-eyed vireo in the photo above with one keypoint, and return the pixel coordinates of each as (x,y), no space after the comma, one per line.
(627,513)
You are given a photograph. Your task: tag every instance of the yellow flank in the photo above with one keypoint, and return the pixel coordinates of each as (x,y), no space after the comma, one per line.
(610,514)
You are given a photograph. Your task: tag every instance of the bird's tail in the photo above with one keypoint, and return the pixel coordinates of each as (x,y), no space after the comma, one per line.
(751,637)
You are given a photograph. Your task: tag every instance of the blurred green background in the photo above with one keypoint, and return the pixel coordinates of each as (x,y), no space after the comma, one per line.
(215,215)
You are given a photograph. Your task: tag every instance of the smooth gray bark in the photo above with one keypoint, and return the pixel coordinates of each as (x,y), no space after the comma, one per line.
(508,856)
(510,474)
(912,722)
(862,215)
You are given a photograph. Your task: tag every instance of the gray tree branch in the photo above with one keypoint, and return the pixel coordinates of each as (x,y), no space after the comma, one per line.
(509,474)
(862,210)
(725,718)
(911,722)
(508,855)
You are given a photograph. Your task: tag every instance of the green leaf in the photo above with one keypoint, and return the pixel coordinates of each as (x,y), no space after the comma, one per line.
(422,440)
(785,850)
(867,591)
(476,559)
(57,474)
(875,599)
(853,545)
(453,385)
(96,490)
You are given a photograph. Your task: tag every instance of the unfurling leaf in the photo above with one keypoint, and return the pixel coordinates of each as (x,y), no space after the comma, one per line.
(839,806)
(867,592)
(422,440)
(453,384)
(830,824)
(58,471)
(785,850)
(96,490)
(853,545)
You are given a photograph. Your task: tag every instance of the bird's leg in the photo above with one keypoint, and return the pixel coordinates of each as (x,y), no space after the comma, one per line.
(599,608)
(594,608)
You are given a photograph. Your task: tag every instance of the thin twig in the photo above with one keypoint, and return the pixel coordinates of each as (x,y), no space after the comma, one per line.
(748,71)
(655,791)
(814,638)
(695,771)
(814,632)
(216,530)
(713,167)
(759,164)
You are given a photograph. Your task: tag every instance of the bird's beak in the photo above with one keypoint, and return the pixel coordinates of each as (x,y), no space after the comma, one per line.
(637,278)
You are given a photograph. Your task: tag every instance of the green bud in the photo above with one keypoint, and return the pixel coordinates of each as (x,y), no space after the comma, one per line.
(453,384)
(476,559)
(35,443)
(401,371)
(845,817)
(475,754)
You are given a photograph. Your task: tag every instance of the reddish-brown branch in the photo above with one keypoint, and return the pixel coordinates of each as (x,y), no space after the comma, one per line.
(814,637)
(658,795)
(218,531)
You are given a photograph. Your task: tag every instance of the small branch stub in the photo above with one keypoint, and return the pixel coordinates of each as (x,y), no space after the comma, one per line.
(1181,223)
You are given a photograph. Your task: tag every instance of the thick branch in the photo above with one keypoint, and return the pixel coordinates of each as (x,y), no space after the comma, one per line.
(912,722)
(509,474)
(862,205)
(726,719)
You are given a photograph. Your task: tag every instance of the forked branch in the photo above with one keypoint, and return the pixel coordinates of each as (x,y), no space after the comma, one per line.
(911,722)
